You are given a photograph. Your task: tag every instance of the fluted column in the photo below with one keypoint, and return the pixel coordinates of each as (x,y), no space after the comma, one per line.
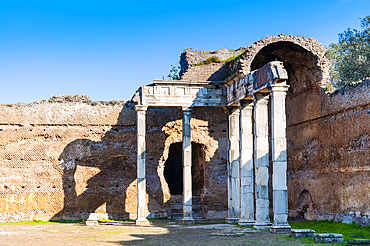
(186,163)
(261,159)
(279,158)
(233,166)
(246,163)
(141,183)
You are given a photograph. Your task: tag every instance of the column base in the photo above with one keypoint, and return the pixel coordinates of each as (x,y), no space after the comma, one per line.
(187,221)
(232,220)
(246,222)
(262,225)
(142,222)
(281,229)
(91,222)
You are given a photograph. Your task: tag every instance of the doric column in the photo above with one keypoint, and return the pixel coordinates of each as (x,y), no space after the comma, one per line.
(233,166)
(141,183)
(246,163)
(186,163)
(261,159)
(279,158)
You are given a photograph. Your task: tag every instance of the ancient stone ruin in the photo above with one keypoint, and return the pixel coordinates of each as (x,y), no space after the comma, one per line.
(249,136)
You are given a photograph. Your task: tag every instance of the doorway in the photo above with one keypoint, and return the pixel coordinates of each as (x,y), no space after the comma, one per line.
(173,169)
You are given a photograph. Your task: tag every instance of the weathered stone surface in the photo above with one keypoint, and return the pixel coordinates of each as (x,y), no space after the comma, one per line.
(300,233)
(359,242)
(329,238)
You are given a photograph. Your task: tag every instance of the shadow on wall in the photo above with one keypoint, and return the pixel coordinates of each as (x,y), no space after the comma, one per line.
(100,176)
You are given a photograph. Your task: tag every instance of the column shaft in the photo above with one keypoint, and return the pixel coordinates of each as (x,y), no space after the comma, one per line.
(261,159)
(279,158)
(234,166)
(186,162)
(141,183)
(246,163)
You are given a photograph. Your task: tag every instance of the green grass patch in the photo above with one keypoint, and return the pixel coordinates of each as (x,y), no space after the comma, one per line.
(42,222)
(107,221)
(349,231)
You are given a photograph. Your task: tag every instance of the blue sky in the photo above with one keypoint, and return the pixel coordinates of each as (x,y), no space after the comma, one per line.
(107,49)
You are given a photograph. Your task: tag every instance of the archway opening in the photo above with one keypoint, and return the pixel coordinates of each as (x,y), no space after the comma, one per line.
(173,171)
(300,64)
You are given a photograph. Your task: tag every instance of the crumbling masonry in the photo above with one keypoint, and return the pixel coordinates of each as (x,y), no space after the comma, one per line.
(240,137)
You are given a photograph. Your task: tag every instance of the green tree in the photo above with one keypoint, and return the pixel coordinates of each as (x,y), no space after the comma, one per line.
(174,73)
(351,55)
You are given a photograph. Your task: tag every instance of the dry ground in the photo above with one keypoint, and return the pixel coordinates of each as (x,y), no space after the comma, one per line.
(161,232)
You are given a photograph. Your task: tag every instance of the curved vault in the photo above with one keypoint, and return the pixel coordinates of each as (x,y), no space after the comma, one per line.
(304,59)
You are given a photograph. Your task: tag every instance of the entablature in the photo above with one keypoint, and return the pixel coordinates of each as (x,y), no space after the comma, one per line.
(174,93)
(242,86)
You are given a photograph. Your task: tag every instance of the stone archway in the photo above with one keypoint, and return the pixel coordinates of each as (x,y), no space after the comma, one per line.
(206,148)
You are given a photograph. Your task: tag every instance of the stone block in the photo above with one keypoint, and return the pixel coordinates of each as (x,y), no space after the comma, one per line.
(347,219)
(262,176)
(283,229)
(359,242)
(262,192)
(262,203)
(93,219)
(299,233)
(280,219)
(280,201)
(329,238)
(247,189)
(279,176)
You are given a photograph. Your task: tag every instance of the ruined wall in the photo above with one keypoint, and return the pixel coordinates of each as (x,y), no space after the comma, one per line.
(65,158)
(328,154)
(228,64)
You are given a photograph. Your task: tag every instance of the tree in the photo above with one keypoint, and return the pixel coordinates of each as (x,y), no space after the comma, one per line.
(351,56)
(174,73)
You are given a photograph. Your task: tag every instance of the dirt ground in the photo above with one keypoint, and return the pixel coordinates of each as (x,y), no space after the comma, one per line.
(161,232)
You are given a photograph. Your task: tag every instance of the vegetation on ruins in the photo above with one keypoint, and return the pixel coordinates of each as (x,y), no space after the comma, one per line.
(350,57)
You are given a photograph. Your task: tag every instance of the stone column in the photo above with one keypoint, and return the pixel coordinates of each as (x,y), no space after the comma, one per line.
(186,163)
(246,163)
(261,159)
(279,158)
(141,183)
(233,166)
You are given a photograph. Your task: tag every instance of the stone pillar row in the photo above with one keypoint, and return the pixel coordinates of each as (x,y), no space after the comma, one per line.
(248,161)
(186,163)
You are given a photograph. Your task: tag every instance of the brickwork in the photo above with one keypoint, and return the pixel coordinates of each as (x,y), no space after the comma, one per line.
(328,153)
(63,160)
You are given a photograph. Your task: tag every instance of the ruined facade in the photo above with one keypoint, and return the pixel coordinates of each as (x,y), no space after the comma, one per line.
(64,159)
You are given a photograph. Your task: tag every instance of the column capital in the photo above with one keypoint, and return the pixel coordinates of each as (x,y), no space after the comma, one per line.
(246,103)
(141,107)
(279,87)
(260,97)
(232,109)
(187,109)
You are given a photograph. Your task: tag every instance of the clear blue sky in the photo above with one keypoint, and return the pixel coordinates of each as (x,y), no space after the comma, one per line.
(107,49)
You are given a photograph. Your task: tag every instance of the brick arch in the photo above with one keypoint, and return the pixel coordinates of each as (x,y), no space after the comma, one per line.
(303,58)
(199,135)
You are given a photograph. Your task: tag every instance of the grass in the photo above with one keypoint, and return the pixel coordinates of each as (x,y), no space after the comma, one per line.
(349,231)
(42,222)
